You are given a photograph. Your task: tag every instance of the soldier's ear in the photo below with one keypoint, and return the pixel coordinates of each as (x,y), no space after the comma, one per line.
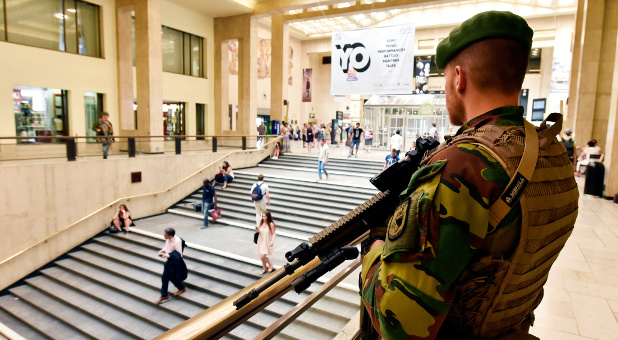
(460,79)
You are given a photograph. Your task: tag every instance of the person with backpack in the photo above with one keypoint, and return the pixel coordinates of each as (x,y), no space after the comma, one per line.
(174,269)
(260,197)
(209,201)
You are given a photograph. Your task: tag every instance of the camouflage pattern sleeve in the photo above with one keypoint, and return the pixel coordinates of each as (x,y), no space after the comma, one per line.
(408,284)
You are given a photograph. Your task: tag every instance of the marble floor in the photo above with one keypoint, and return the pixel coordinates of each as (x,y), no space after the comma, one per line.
(581,294)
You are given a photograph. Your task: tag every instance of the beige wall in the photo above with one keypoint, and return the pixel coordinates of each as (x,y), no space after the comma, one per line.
(38,67)
(52,196)
(190,89)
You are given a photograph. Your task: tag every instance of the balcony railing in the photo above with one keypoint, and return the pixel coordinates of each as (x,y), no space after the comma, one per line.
(76,147)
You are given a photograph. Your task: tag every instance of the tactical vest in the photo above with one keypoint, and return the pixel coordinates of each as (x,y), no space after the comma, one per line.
(502,288)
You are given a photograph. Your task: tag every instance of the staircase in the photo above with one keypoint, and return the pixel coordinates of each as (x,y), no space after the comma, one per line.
(106,288)
(299,208)
(337,166)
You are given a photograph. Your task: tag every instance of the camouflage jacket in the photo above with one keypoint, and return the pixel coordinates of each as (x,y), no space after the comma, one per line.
(436,231)
(106,130)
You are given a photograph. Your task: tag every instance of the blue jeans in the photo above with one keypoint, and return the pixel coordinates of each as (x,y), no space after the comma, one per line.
(321,168)
(205,207)
(105,150)
(354,142)
(226,179)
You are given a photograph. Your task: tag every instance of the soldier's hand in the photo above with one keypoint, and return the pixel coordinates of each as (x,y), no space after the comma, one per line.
(376,243)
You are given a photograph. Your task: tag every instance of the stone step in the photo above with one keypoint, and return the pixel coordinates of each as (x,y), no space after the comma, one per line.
(116,298)
(70,316)
(202,281)
(248,218)
(307,169)
(38,320)
(96,310)
(324,198)
(289,203)
(337,160)
(19,327)
(193,296)
(281,215)
(348,169)
(214,262)
(277,183)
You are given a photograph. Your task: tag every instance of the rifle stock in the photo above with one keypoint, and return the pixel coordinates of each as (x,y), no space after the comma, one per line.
(307,262)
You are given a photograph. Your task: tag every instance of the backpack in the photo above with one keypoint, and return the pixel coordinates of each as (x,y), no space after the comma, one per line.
(256,194)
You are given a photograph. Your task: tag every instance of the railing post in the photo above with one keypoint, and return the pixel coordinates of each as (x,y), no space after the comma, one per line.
(244,142)
(177,140)
(214,144)
(131,147)
(71,149)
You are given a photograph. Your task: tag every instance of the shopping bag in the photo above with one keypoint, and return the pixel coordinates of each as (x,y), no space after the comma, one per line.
(216,214)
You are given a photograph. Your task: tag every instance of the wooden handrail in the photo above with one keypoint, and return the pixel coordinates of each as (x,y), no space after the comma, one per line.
(277,326)
(121,199)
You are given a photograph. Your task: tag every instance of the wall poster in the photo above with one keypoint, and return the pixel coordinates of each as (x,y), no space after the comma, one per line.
(307,84)
(377,60)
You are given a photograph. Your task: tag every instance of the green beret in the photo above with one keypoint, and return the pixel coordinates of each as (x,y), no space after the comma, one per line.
(104,113)
(485,25)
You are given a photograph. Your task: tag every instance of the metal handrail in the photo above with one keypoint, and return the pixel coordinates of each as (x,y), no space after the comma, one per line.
(128,198)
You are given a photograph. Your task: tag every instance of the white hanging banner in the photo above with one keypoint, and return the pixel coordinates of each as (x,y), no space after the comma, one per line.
(378,60)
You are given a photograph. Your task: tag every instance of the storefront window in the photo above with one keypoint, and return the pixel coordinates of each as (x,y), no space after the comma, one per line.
(93,103)
(69,25)
(182,52)
(88,29)
(196,56)
(173,118)
(172,48)
(40,112)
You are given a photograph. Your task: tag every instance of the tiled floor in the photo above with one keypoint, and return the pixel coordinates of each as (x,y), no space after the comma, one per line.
(581,295)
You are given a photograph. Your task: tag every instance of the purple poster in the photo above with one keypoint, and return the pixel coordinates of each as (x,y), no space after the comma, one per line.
(307,84)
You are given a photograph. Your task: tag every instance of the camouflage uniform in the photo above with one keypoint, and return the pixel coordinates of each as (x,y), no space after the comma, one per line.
(106,130)
(436,231)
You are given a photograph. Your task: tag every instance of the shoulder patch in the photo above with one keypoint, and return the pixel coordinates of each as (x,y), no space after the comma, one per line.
(399,220)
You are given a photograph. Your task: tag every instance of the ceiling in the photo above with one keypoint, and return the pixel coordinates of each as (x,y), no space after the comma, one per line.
(424,13)
(219,8)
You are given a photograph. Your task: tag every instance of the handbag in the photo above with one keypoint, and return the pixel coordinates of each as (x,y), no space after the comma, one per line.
(216,214)
(255,237)
(347,143)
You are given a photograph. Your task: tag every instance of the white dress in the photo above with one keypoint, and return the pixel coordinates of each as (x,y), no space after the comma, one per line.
(263,243)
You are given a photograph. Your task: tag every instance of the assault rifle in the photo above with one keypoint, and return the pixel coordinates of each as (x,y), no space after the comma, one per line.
(309,261)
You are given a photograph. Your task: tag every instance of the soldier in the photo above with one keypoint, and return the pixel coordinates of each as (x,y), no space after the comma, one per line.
(103,127)
(470,245)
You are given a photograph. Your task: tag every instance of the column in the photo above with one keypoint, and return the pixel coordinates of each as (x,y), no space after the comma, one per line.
(149,69)
(244,29)
(611,139)
(280,48)
(587,79)
(125,68)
